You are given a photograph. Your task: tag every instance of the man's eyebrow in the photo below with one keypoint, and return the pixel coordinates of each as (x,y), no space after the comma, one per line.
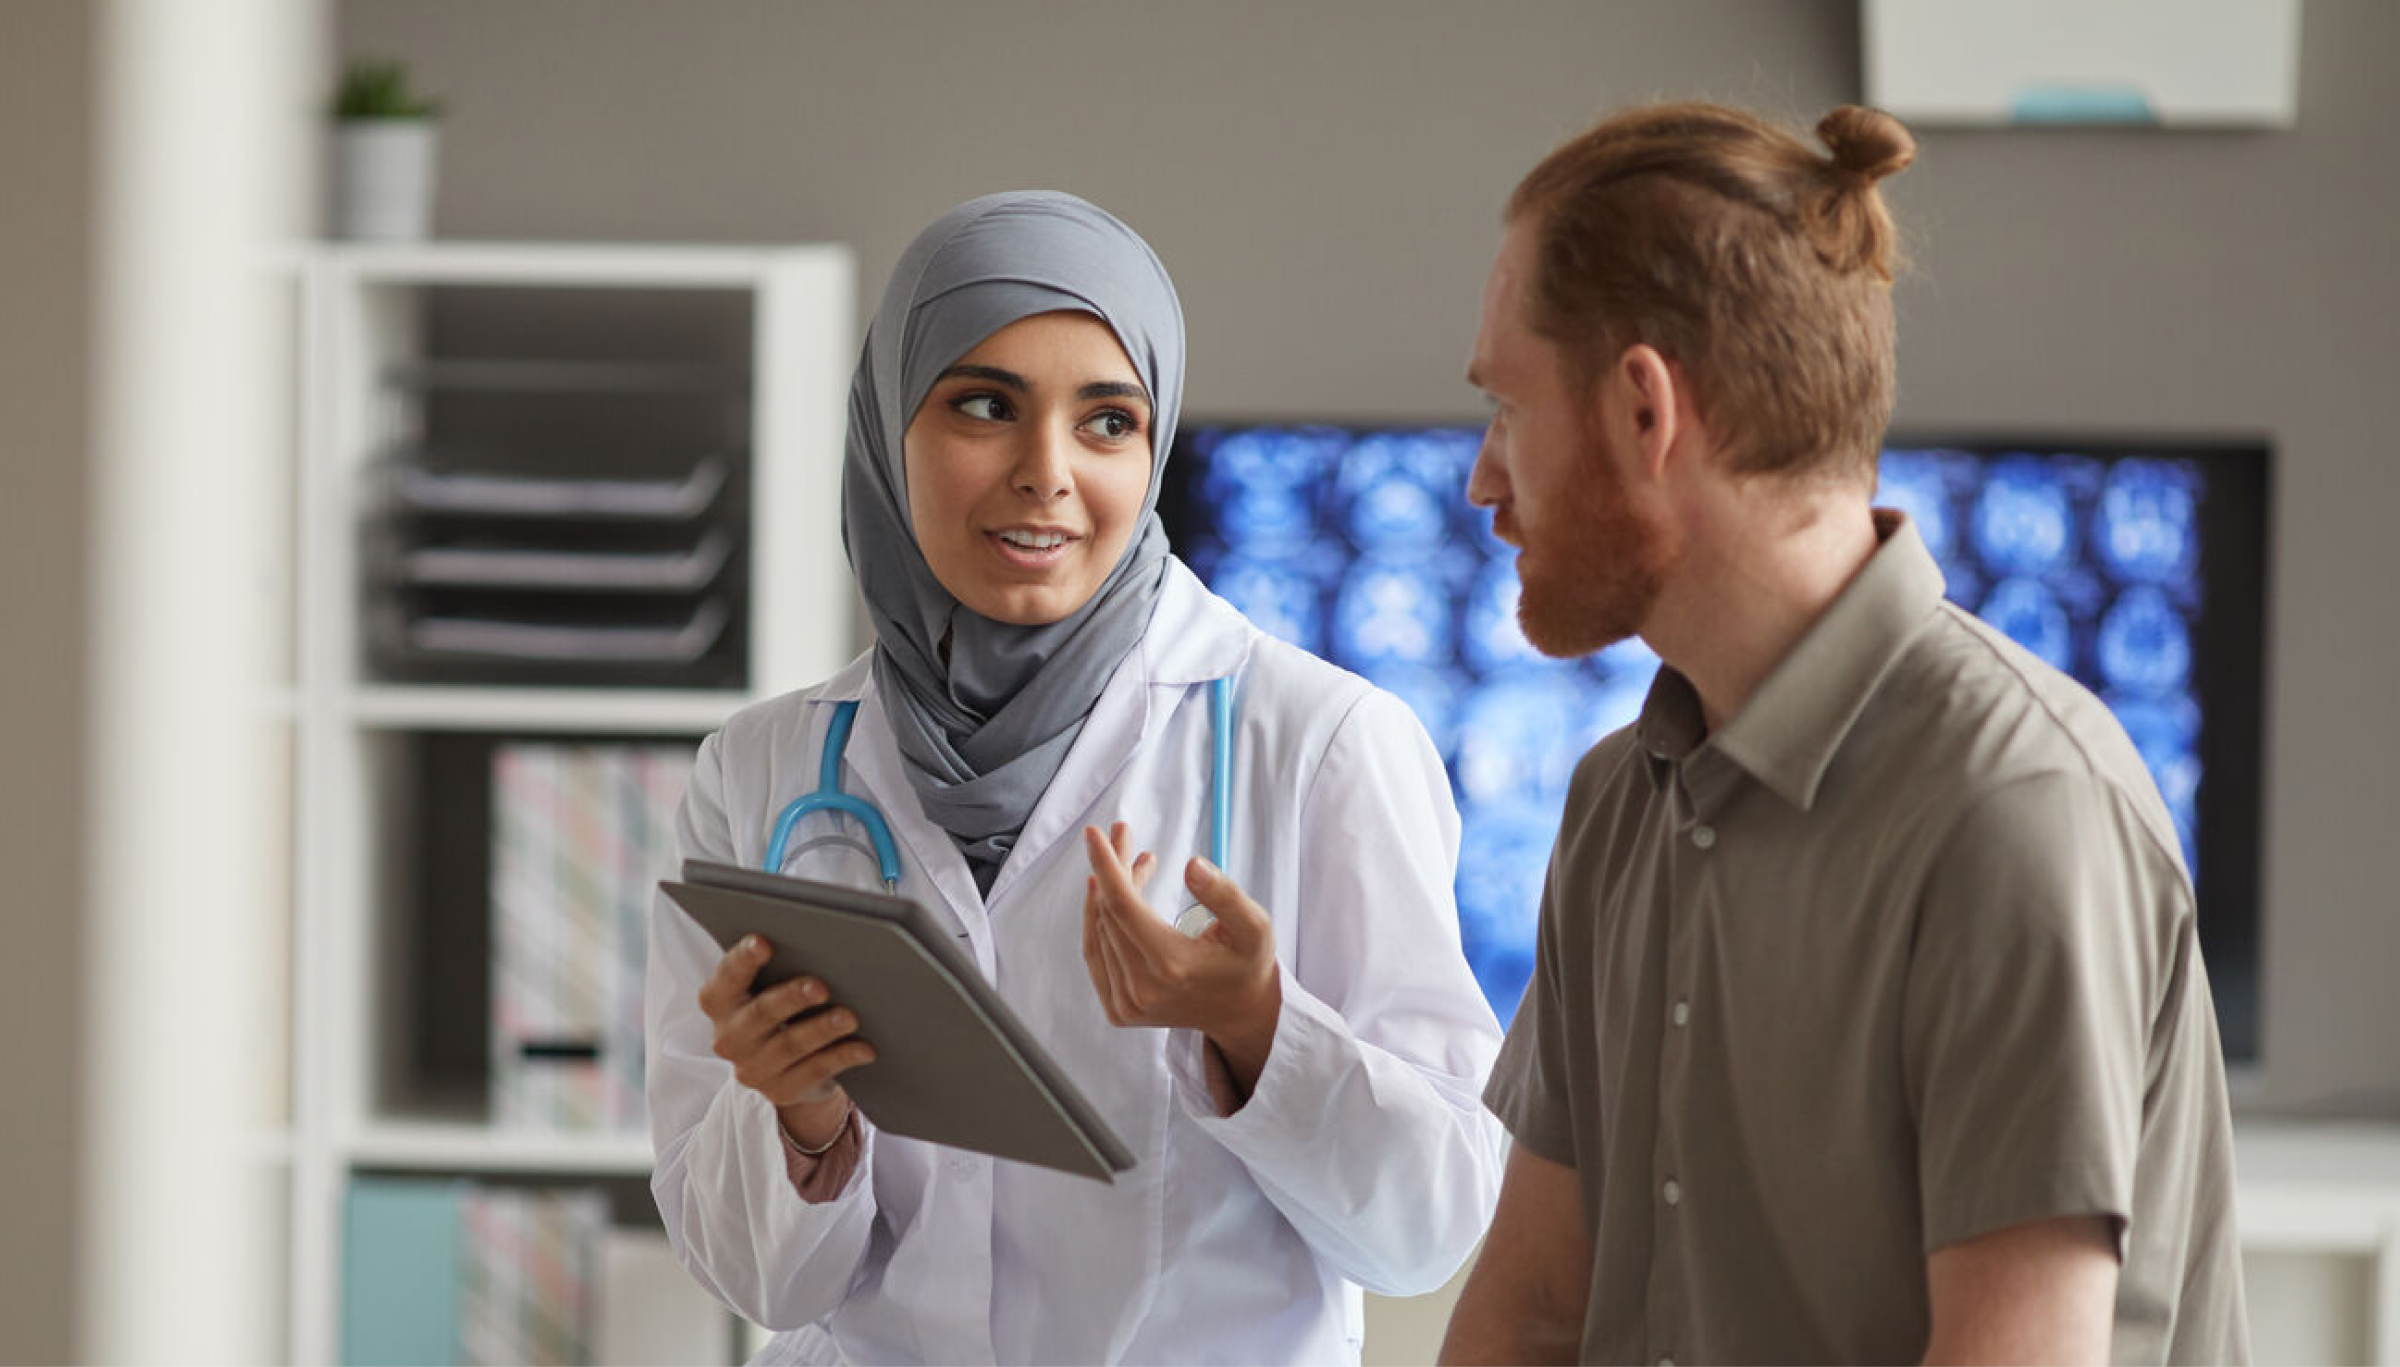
(1112,389)
(995,374)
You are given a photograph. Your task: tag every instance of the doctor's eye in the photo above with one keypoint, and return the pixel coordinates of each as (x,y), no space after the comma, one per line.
(983,406)
(1113,424)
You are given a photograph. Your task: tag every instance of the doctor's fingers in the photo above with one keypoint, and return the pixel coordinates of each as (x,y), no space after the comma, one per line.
(1099,951)
(818,1038)
(1114,850)
(814,1075)
(1241,921)
(728,984)
(1143,935)
(756,1017)
(1139,866)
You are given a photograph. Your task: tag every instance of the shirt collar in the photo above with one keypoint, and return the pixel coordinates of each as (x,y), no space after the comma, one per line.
(1788,733)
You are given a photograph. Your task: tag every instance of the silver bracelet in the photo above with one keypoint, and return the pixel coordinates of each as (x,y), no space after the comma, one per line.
(820,1150)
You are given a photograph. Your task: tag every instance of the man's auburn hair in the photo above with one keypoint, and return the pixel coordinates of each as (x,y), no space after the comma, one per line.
(1762,268)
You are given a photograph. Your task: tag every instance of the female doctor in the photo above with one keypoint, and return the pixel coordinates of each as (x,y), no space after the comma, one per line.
(1299,1081)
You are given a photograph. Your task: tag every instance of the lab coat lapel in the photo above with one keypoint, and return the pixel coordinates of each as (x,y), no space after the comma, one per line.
(1193,637)
(1115,727)
(874,755)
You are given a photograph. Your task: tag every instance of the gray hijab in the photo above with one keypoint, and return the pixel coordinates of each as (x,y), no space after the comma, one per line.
(985,728)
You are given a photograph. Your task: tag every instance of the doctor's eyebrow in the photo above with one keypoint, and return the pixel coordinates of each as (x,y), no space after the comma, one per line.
(1113,389)
(1098,389)
(992,373)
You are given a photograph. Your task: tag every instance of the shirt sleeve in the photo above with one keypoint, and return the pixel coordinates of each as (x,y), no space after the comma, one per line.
(732,1207)
(2044,935)
(1531,1085)
(1365,1127)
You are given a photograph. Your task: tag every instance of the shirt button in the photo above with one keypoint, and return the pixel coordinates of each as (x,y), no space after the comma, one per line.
(1704,836)
(1683,1013)
(1673,1192)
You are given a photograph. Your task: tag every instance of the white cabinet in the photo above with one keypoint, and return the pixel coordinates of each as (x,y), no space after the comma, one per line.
(2320,1221)
(526,367)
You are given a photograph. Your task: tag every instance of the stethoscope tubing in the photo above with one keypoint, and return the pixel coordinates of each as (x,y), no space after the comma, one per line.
(829,797)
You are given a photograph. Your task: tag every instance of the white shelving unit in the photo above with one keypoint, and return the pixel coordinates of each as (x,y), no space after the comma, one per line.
(2313,1198)
(364,341)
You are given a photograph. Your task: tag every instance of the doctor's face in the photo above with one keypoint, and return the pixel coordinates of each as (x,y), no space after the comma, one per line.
(1027,467)
(1591,559)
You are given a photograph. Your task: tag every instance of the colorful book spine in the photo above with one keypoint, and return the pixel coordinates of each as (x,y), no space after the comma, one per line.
(528,1286)
(580,836)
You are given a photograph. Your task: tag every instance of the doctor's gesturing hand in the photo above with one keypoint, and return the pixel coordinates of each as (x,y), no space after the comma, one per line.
(1222,982)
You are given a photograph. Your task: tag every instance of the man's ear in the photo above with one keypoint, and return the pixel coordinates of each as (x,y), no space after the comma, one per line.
(1644,390)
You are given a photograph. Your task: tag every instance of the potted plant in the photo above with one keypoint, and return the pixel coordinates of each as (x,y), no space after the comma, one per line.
(384,137)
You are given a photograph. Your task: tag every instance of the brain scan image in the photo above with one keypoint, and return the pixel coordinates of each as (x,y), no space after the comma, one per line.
(1358,544)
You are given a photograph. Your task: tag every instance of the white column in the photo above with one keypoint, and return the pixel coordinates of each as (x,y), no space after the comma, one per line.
(204,161)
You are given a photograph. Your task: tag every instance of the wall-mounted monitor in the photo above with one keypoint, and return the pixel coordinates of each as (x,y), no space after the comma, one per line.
(2138,567)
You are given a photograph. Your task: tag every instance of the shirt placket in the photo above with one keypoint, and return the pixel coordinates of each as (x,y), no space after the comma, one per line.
(1667,1311)
(1698,793)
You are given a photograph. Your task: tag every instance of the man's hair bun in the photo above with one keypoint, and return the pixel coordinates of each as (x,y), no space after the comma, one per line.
(1867,143)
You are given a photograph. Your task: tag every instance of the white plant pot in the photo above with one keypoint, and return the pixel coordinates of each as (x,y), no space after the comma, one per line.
(383,173)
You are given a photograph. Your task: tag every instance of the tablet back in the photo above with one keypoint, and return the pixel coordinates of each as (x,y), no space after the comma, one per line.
(953,1065)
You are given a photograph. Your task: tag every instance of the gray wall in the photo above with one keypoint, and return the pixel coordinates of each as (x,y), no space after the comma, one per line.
(45,138)
(1323,180)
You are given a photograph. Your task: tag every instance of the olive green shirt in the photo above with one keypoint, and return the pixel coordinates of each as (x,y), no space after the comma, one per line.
(1901,956)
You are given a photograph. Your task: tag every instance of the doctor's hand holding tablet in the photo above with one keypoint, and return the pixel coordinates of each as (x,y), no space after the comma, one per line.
(790,1044)
(785,1043)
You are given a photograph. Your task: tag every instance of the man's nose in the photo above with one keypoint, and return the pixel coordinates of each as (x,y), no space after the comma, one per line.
(1487,482)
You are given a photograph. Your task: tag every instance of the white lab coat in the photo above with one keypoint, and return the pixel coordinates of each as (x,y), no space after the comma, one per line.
(1363,1157)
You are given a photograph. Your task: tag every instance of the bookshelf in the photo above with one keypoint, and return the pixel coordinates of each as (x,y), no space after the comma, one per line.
(545,365)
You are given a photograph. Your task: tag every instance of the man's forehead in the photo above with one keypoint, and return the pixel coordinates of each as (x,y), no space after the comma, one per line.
(1502,316)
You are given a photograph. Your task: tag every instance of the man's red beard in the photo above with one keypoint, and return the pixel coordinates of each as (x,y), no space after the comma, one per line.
(1593,571)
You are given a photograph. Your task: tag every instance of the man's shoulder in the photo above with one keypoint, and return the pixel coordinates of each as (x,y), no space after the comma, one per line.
(1967,713)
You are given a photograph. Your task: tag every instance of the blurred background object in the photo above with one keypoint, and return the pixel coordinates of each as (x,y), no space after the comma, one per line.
(385,146)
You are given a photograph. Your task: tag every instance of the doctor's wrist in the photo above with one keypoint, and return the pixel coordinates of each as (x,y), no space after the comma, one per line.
(1244,1042)
(811,1127)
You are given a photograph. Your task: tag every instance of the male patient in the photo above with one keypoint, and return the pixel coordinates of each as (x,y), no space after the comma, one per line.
(1868,1020)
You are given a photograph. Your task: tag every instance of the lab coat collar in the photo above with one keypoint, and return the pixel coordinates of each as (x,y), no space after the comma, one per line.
(850,683)
(1194,635)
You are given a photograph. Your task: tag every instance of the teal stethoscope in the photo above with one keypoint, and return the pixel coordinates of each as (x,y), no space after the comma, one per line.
(829,797)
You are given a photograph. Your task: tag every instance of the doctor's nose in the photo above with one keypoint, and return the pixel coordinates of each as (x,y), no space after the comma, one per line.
(1043,467)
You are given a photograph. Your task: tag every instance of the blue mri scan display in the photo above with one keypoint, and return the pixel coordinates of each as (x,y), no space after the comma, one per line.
(1358,544)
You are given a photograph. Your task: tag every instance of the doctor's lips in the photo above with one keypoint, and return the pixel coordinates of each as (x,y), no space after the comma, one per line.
(1033,547)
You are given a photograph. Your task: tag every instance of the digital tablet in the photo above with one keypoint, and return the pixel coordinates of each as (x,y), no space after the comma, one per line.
(953,1064)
